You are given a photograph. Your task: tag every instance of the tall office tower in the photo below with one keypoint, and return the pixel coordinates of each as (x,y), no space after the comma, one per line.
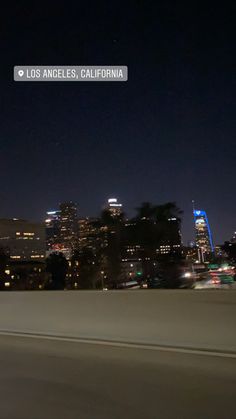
(52,226)
(172,241)
(114,207)
(22,240)
(68,226)
(89,234)
(203,234)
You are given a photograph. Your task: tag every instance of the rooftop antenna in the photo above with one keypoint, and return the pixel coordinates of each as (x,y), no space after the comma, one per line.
(193,204)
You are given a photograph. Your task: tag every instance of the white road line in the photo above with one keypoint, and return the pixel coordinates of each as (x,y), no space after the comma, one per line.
(163,348)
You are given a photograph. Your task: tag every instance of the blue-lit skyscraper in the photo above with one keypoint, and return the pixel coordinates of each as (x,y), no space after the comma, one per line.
(203,233)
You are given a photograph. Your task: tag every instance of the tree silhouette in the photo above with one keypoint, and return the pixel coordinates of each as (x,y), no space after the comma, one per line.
(111,230)
(153,226)
(57,265)
(89,269)
(146,211)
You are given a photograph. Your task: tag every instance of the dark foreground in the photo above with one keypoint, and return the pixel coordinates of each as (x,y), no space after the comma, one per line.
(62,380)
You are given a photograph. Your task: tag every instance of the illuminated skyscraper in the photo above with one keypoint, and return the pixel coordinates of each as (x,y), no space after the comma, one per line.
(203,233)
(114,207)
(68,224)
(172,241)
(89,234)
(62,229)
(52,224)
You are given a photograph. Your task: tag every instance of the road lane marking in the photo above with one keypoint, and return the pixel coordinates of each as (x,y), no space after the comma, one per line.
(153,347)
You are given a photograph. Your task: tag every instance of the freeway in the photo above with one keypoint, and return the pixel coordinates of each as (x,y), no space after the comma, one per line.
(53,379)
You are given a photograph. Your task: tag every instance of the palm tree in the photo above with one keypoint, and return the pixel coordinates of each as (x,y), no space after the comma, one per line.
(89,268)
(167,211)
(146,211)
(57,265)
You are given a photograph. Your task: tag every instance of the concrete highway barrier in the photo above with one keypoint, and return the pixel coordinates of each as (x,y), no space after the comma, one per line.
(179,318)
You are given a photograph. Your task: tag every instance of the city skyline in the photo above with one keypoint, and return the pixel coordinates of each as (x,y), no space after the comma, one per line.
(109,203)
(167,134)
(117,214)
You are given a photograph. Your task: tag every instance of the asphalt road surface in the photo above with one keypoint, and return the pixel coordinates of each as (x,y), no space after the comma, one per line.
(49,379)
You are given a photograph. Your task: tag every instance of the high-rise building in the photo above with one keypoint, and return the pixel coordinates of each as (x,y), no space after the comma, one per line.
(203,234)
(52,225)
(172,240)
(22,240)
(114,207)
(89,234)
(68,225)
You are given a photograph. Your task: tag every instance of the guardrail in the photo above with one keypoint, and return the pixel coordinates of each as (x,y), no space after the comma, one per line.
(181,318)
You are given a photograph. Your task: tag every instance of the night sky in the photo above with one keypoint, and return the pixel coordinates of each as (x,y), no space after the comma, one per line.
(168,134)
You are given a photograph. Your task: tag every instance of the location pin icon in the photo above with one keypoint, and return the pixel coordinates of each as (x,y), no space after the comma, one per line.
(20,73)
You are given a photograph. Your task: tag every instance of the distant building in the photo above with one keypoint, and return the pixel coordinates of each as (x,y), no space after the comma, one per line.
(22,240)
(114,207)
(62,229)
(233,240)
(131,269)
(219,252)
(68,227)
(89,234)
(203,235)
(68,221)
(52,225)
(26,275)
(229,248)
(172,242)
(191,254)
